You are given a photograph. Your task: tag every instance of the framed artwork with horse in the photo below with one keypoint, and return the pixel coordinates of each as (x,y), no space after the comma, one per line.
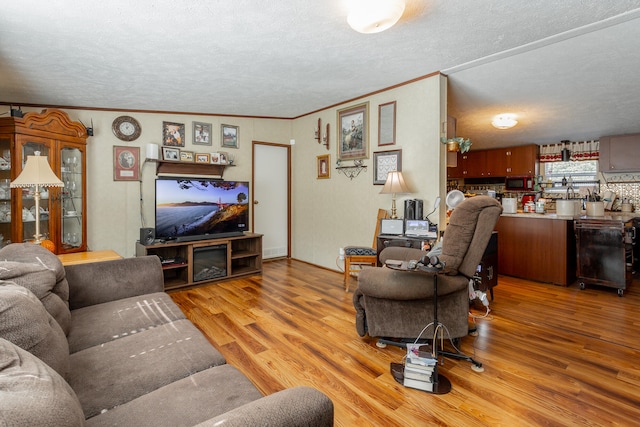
(353,132)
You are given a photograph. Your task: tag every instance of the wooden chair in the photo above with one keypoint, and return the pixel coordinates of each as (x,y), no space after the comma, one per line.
(357,256)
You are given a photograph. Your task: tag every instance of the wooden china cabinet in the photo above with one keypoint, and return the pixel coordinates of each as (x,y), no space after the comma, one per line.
(62,210)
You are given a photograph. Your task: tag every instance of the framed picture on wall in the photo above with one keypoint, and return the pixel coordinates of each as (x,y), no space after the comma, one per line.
(173,134)
(169,153)
(201,133)
(324,170)
(126,163)
(229,137)
(353,132)
(385,162)
(387,123)
(186,156)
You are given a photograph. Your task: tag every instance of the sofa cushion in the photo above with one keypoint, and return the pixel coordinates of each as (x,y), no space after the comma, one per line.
(189,401)
(101,323)
(33,394)
(36,254)
(25,322)
(116,372)
(40,280)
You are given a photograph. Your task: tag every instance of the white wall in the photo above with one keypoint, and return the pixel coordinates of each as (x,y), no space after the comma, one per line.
(326,214)
(337,212)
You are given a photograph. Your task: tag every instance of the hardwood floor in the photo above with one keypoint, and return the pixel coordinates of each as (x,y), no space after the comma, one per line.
(552,355)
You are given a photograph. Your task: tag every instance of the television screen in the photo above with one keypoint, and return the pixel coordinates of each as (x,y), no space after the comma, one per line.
(188,209)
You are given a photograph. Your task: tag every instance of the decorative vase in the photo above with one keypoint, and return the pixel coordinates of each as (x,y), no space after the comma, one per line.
(595,208)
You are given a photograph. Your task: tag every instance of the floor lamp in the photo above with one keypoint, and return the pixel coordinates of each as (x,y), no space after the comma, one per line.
(394,185)
(37,173)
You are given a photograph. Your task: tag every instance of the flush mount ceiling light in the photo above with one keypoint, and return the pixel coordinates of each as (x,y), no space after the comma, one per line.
(374,16)
(504,121)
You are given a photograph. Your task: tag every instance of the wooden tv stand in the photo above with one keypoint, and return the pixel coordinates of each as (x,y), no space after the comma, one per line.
(243,257)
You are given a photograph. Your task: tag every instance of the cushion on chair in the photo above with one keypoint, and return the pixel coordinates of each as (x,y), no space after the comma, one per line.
(27,324)
(467,220)
(360,251)
(33,394)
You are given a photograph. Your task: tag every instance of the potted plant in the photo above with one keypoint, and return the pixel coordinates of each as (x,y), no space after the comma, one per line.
(457,144)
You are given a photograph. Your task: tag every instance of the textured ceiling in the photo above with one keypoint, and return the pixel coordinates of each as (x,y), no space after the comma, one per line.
(568,68)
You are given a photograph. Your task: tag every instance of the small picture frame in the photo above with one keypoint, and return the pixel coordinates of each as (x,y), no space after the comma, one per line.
(186,156)
(203,158)
(385,162)
(126,163)
(216,159)
(224,157)
(387,123)
(323,166)
(201,134)
(173,134)
(171,154)
(229,137)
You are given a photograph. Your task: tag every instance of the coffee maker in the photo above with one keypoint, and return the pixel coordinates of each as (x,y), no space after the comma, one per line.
(413,209)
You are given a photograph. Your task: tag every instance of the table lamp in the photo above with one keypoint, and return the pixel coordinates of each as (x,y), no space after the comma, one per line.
(37,173)
(394,185)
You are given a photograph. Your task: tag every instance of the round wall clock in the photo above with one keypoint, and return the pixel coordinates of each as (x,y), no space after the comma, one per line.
(126,128)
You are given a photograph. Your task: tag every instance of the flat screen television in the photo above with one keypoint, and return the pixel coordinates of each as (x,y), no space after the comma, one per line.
(194,209)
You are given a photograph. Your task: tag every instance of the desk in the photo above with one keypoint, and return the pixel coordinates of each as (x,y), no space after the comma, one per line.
(86,257)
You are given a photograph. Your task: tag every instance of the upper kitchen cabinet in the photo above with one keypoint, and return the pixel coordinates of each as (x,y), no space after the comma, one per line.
(620,153)
(62,210)
(499,162)
(522,160)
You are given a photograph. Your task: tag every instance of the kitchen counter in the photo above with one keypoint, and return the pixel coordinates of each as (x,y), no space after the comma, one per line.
(609,216)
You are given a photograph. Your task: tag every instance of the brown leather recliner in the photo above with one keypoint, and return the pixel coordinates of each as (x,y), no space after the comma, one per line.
(399,304)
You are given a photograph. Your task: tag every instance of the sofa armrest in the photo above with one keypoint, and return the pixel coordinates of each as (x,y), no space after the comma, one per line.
(99,282)
(387,283)
(298,406)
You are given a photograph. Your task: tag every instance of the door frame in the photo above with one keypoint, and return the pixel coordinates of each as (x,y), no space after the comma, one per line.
(253,193)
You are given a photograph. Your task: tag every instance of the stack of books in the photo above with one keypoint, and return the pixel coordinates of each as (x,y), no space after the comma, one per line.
(419,369)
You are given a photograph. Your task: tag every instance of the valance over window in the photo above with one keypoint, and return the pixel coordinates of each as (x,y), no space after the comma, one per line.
(579,150)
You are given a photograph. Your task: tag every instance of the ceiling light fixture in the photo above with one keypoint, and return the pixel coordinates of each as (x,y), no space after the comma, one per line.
(504,121)
(374,16)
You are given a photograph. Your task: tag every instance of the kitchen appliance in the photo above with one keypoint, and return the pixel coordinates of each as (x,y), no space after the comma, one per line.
(528,198)
(605,251)
(519,183)
(509,205)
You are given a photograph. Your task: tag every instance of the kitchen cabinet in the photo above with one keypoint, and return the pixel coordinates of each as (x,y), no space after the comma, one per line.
(620,153)
(499,162)
(62,210)
(538,248)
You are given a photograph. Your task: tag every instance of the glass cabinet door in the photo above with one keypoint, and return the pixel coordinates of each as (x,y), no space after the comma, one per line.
(71,174)
(5,191)
(28,211)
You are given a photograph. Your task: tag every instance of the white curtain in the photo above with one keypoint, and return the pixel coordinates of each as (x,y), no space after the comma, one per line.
(580,150)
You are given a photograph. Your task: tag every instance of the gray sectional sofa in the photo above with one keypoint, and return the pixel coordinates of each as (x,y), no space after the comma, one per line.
(102,344)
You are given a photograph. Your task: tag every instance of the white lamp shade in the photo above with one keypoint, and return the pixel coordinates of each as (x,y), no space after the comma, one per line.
(374,16)
(37,172)
(395,184)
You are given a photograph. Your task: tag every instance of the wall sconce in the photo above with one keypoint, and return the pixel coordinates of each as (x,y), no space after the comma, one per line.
(316,132)
(504,121)
(374,16)
(325,137)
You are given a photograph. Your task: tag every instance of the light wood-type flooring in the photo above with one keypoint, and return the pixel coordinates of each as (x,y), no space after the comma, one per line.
(552,355)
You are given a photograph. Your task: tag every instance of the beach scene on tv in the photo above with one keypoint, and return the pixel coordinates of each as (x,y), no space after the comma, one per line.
(189,207)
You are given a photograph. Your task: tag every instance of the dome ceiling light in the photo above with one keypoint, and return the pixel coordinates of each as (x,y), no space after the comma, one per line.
(504,121)
(374,16)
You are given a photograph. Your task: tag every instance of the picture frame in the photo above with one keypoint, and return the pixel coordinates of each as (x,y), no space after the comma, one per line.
(126,163)
(323,163)
(229,136)
(173,134)
(387,123)
(385,162)
(203,158)
(186,156)
(202,133)
(353,132)
(171,154)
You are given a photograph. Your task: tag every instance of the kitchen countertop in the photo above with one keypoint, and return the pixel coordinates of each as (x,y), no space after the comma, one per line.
(609,216)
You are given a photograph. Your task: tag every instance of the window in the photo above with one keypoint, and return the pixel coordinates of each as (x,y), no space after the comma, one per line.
(586,170)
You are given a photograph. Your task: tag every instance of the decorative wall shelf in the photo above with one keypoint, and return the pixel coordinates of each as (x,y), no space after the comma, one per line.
(351,171)
(189,168)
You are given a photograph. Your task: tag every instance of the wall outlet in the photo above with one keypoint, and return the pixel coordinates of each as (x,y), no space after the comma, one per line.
(341,252)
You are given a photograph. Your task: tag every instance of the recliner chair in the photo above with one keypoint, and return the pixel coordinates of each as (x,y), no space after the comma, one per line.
(399,304)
